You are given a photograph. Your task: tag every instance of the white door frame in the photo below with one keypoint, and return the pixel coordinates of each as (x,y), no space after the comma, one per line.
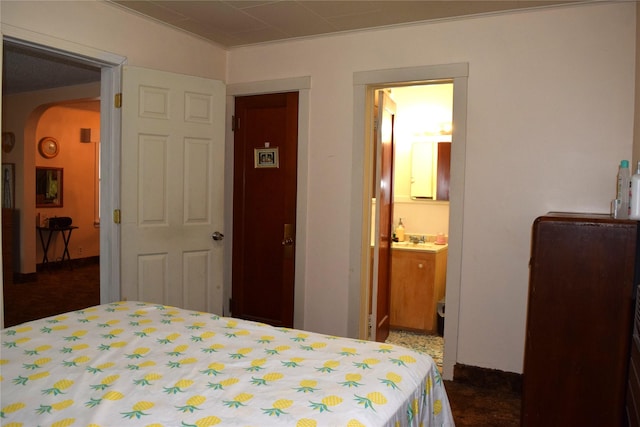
(360,238)
(302,85)
(110,85)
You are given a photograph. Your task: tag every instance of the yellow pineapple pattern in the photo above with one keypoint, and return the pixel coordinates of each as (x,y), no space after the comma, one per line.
(192,404)
(329,366)
(58,406)
(78,347)
(207,421)
(239,400)
(64,423)
(278,407)
(10,409)
(179,386)
(307,386)
(326,403)
(138,410)
(150,365)
(59,387)
(256,365)
(106,382)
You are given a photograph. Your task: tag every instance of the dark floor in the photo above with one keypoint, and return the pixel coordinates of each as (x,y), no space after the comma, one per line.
(58,290)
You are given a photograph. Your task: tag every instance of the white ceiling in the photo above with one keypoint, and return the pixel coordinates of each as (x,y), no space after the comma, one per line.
(232,23)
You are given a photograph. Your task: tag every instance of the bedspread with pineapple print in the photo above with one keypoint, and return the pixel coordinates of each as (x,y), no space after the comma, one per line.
(139,364)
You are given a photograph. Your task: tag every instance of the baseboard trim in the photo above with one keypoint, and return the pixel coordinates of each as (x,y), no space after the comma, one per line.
(488,378)
(76,262)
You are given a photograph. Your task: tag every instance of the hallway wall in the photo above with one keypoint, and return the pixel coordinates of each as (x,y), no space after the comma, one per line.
(78,160)
(21,113)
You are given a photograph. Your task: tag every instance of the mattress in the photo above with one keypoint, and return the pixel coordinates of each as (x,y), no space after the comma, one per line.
(140,364)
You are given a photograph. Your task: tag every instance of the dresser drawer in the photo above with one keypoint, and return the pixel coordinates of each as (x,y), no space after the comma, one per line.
(633,390)
(636,322)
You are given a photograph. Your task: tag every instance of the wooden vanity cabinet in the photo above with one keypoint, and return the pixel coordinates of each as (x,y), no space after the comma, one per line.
(417,284)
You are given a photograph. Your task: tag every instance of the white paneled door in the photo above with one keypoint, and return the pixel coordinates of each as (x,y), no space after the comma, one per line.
(172,189)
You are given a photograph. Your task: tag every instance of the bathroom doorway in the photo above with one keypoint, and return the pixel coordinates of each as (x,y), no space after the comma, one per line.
(422,137)
(365,84)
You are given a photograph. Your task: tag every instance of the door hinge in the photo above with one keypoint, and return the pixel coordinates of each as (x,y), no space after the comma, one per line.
(117,100)
(116,216)
(235,123)
(375,124)
(231,306)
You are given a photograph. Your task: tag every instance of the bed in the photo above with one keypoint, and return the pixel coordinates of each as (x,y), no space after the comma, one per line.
(140,364)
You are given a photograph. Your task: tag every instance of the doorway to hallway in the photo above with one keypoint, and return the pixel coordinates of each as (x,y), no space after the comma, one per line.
(97,74)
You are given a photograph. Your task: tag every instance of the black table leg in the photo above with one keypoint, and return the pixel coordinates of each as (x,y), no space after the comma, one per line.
(45,246)
(65,239)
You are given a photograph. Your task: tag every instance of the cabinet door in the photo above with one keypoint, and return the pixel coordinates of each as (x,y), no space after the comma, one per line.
(412,290)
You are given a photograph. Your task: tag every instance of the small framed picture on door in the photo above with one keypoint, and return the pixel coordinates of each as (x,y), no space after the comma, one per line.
(266,157)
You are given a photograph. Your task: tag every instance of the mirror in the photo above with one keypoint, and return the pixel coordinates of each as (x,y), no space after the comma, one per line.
(48,187)
(422,171)
(430,170)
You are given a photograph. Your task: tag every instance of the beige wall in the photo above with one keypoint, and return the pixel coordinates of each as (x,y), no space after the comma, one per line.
(78,160)
(21,115)
(636,133)
(63,122)
(549,116)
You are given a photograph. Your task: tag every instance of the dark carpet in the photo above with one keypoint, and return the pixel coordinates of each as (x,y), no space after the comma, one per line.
(59,289)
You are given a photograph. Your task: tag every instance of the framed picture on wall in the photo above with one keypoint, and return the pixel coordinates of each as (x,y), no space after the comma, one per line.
(8,185)
(266,157)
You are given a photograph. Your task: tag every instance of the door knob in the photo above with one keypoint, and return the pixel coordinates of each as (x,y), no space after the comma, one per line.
(216,235)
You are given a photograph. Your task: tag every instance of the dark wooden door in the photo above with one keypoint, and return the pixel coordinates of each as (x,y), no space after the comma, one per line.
(384,134)
(264,207)
(443,170)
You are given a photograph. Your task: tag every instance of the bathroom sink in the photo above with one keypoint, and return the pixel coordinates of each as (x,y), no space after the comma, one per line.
(427,246)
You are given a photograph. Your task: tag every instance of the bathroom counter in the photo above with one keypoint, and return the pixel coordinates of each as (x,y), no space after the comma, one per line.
(422,247)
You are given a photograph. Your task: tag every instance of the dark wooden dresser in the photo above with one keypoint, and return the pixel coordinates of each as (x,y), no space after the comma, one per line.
(8,247)
(579,320)
(633,390)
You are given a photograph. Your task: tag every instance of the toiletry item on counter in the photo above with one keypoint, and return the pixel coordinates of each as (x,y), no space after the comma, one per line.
(634,203)
(624,188)
(400,231)
(615,208)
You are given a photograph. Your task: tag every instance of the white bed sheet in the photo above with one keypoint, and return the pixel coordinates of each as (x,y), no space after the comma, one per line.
(140,364)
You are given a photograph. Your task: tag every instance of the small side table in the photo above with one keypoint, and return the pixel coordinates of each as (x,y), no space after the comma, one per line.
(66,236)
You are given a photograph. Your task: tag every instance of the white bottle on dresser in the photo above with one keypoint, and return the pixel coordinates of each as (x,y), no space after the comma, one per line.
(634,202)
(624,187)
